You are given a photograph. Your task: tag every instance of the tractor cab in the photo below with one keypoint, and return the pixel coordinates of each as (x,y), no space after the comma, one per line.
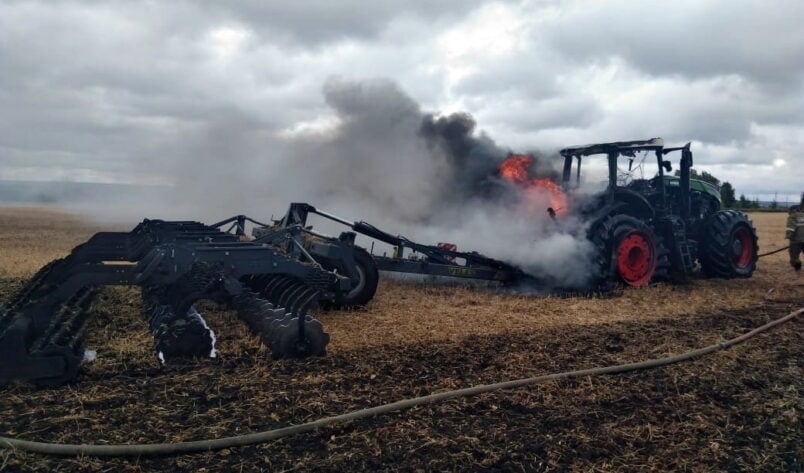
(644,196)
(637,196)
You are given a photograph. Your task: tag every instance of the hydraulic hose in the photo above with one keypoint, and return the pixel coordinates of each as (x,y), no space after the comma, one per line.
(265,436)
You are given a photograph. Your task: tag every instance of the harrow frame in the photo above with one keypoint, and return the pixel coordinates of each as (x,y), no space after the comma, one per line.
(175,263)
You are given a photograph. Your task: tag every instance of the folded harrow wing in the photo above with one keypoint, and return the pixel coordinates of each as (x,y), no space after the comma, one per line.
(176,263)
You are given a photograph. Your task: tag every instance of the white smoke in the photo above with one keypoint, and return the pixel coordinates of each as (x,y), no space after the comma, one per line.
(555,252)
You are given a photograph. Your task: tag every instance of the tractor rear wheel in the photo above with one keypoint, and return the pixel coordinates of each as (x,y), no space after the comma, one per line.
(627,250)
(728,245)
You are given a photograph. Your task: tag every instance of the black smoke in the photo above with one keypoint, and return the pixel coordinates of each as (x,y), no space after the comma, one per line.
(473,156)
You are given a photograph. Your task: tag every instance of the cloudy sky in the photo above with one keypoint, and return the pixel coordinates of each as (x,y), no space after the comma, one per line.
(134,92)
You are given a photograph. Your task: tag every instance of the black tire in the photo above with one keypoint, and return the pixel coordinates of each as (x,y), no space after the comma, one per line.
(364,287)
(627,251)
(663,261)
(728,245)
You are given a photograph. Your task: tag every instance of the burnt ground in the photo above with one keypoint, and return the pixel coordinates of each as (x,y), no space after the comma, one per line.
(736,410)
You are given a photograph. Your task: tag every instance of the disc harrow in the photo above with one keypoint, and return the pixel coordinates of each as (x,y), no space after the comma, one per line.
(176,264)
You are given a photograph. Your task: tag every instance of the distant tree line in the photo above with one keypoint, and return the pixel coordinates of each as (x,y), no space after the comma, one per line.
(703,176)
(727,193)
(729,201)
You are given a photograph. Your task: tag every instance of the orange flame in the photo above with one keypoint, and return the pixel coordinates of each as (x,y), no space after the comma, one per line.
(515,168)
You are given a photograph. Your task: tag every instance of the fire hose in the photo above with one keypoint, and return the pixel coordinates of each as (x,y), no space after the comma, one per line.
(773,252)
(266,436)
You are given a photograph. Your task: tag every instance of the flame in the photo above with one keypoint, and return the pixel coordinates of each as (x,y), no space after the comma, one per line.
(516,167)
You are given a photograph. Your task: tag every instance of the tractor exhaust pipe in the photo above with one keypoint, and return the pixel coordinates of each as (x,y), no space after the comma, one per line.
(686,164)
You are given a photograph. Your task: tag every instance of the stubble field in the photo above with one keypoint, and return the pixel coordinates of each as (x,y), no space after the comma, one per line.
(737,410)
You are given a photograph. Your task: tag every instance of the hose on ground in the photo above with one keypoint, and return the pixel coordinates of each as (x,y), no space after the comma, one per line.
(265,436)
(773,252)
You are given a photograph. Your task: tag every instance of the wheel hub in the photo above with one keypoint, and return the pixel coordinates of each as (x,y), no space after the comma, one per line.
(742,247)
(361,282)
(636,258)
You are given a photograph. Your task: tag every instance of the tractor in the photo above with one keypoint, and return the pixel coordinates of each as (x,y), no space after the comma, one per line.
(658,228)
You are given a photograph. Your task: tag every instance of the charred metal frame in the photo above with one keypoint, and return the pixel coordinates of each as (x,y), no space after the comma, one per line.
(435,261)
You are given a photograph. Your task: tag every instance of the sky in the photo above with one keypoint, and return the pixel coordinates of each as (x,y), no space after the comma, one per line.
(223,94)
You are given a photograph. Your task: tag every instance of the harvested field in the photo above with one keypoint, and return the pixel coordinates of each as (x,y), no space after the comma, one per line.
(738,410)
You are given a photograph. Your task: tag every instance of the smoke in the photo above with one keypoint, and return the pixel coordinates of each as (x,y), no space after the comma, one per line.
(473,158)
(379,158)
(556,252)
(388,159)
(432,178)
(371,160)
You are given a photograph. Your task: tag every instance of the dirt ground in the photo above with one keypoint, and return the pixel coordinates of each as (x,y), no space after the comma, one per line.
(738,410)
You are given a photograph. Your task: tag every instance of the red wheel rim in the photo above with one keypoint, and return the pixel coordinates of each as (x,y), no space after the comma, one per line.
(743,247)
(636,258)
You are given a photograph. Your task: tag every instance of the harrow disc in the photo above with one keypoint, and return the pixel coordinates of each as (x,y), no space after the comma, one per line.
(278,326)
(289,344)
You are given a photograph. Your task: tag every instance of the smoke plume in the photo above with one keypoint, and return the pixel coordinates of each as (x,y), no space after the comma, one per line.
(432,178)
(381,159)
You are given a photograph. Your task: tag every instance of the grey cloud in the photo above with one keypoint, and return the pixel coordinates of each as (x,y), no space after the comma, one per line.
(524,92)
(565,111)
(530,74)
(315,22)
(759,40)
(717,67)
(715,111)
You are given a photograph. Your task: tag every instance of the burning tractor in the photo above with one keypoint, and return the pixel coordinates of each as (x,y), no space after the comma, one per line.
(647,229)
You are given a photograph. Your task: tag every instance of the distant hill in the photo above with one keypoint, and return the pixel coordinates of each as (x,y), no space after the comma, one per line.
(38,192)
